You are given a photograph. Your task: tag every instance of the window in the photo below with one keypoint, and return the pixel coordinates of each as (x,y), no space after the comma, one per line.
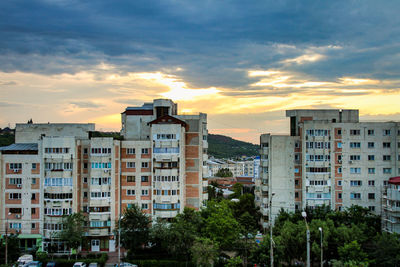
(386,144)
(84,194)
(85,180)
(296,170)
(145,206)
(130,151)
(33,180)
(371,195)
(33,210)
(145,192)
(339,196)
(15,166)
(371,170)
(339,145)
(265,145)
(386,157)
(355,144)
(355,170)
(145,164)
(355,195)
(130,192)
(15,181)
(297,145)
(355,183)
(33,166)
(354,132)
(339,131)
(33,197)
(386,132)
(371,144)
(85,151)
(130,165)
(339,182)
(130,179)
(371,157)
(145,178)
(339,158)
(14,196)
(145,151)
(387,170)
(398,157)
(296,182)
(33,225)
(339,170)
(371,208)
(85,165)
(296,194)
(371,183)
(371,132)
(355,157)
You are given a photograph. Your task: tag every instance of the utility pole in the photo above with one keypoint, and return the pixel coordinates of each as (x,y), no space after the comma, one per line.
(304,214)
(322,255)
(270,230)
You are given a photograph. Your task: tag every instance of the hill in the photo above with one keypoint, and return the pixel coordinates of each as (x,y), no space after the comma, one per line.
(221,146)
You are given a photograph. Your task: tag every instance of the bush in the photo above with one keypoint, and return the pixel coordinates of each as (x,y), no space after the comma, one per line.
(162,263)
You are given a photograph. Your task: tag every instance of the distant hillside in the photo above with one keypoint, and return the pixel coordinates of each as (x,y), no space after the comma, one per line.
(221,146)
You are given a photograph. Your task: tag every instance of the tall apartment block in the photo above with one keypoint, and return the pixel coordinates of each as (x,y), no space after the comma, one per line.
(329,158)
(58,169)
(391,206)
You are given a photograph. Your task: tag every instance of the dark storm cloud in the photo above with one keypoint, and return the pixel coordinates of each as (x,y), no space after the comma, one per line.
(214,42)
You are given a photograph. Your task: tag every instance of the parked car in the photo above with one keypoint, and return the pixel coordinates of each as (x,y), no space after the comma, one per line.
(24,259)
(125,264)
(51,264)
(33,264)
(93,264)
(79,264)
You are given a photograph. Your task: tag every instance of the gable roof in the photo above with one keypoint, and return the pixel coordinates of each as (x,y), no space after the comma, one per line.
(167,119)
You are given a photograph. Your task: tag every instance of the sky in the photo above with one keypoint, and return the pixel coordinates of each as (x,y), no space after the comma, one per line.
(242,62)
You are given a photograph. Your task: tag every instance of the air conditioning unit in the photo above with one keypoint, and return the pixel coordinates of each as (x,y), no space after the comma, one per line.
(16,170)
(350,162)
(18,216)
(339,161)
(106,171)
(19,185)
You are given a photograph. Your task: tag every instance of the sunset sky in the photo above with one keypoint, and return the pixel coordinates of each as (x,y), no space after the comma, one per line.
(241,62)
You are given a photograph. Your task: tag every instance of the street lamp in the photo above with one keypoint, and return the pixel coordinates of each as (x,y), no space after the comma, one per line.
(322,262)
(270,230)
(6,256)
(119,240)
(304,214)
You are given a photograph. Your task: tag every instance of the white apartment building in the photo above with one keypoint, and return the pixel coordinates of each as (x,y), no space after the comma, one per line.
(59,169)
(338,161)
(391,206)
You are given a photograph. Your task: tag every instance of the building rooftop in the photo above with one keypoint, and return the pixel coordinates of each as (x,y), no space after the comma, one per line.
(19,147)
(147,106)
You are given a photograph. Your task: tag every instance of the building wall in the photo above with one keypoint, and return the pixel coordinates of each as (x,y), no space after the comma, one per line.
(31,133)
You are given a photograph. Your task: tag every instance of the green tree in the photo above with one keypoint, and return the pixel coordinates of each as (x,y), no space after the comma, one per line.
(73,231)
(134,228)
(204,252)
(224,172)
(234,262)
(352,253)
(12,247)
(237,189)
(184,230)
(385,249)
(220,225)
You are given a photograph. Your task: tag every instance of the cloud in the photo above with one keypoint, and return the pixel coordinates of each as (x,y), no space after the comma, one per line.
(85,105)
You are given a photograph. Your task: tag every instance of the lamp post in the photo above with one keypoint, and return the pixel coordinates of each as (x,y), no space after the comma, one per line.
(322,262)
(270,230)
(119,240)
(304,214)
(6,256)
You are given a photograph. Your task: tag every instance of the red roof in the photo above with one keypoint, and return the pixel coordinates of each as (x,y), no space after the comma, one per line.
(394,180)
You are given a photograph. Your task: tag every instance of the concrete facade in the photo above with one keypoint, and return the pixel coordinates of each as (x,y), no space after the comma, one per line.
(60,169)
(338,161)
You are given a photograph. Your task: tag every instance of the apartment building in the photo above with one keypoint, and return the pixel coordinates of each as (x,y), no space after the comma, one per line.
(337,160)
(247,168)
(391,206)
(59,169)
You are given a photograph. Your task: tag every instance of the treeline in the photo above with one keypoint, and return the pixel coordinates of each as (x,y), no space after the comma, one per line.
(223,234)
